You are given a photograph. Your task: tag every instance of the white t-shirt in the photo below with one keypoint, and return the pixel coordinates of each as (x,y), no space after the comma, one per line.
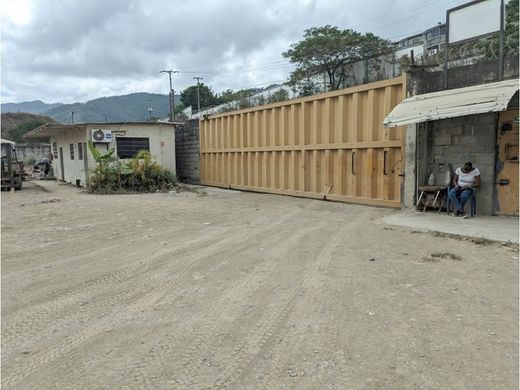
(467,179)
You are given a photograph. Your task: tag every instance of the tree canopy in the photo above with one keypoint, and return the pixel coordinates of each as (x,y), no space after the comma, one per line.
(207,98)
(328,50)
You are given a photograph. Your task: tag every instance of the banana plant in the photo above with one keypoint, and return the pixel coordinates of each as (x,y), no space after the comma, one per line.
(101,158)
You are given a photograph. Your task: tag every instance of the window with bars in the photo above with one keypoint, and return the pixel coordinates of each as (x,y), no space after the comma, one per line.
(127,147)
(55,150)
(80,151)
(72,151)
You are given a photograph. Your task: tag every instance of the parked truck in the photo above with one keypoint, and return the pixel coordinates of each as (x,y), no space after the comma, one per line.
(12,169)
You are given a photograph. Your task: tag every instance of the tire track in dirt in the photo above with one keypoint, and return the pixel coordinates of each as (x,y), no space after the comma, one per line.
(154,294)
(143,250)
(30,324)
(254,343)
(64,248)
(208,317)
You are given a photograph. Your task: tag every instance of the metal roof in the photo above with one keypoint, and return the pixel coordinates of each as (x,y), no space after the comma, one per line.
(49,129)
(477,99)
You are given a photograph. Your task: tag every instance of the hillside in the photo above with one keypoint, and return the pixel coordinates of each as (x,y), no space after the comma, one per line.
(133,107)
(15,124)
(34,107)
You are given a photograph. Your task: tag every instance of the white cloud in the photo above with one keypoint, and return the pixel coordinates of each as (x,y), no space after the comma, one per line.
(72,50)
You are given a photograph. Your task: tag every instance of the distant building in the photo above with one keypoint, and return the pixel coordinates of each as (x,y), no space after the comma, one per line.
(72,161)
(428,42)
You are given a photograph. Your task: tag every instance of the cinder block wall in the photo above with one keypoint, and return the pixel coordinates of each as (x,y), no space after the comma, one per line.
(457,140)
(187,151)
(36,151)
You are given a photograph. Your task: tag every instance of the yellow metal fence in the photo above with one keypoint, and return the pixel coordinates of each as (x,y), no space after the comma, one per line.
(328,146)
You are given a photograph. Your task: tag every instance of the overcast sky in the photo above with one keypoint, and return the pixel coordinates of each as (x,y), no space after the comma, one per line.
(76,50)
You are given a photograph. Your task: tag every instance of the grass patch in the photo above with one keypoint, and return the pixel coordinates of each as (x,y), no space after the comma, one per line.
(438,256)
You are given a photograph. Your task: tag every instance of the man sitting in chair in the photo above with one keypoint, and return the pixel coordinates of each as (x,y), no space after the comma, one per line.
(466,180)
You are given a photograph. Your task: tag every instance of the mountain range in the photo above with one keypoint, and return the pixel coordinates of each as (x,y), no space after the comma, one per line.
(34,107)
(126,108)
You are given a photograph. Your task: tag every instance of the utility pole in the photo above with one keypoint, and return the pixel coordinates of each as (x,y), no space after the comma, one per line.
(172,98)
(72,117)
(198,92)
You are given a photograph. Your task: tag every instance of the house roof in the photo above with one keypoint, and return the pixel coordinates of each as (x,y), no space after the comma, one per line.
(477,99)
(50,129)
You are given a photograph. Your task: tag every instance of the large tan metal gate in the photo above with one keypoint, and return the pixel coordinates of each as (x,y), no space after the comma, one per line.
(328,146)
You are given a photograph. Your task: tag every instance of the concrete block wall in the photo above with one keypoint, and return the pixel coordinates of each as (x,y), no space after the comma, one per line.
(33,151)
(422,81)
(187,151)
(457,140)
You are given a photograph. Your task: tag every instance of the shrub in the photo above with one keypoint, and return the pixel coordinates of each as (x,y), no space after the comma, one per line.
(139,174)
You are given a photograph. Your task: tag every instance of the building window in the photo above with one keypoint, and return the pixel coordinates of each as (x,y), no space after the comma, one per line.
(72,151)
(127,147)
(80,151)
(55,150)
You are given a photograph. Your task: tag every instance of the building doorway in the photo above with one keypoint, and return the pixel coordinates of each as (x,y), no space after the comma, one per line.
(62,169)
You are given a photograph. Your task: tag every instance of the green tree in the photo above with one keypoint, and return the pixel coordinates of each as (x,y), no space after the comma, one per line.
(19,131)
(329,50)
(305,87)
(241,95)
(207,98)
(279,96)
(511,26)
(226,96)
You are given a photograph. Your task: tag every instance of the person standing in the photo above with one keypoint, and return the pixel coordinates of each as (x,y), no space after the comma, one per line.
(465,182)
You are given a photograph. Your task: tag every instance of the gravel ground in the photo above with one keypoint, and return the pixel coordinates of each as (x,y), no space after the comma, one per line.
(218,288)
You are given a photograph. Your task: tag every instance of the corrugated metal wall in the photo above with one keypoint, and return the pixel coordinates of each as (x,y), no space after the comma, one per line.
(328,146)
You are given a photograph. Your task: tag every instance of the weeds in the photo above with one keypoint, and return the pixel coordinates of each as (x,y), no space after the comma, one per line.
(446,255)
(438,256)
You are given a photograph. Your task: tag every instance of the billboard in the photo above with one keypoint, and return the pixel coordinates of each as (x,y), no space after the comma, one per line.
(474,19)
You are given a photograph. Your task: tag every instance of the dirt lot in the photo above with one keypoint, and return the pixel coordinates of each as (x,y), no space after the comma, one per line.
(243,290)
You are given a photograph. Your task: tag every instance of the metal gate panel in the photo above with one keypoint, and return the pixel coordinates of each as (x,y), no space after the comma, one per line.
(329,146)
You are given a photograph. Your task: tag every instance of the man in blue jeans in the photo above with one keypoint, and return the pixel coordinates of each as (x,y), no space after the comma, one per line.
(466,180)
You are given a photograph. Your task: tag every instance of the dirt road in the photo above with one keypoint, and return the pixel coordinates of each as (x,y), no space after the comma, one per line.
(243,290)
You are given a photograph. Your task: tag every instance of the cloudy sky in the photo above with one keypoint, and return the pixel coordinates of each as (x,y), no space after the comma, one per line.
(75,50)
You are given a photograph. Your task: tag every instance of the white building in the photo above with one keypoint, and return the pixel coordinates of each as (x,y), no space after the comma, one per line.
(72,161)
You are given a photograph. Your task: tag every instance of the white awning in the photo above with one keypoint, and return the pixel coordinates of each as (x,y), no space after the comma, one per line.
(477,99)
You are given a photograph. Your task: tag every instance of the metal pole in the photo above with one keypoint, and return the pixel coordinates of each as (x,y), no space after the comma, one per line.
(172,108)
(198,92)
(172,97)
(501,43)
(446,51)
(173,105)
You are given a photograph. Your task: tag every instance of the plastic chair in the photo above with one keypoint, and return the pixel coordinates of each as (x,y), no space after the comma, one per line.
(472,200)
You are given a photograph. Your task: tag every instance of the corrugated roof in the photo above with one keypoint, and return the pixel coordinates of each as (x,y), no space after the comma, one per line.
(477,99)
(49,129)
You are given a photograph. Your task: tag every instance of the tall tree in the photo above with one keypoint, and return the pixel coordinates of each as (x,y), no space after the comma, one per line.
(329,50)
(189,97)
